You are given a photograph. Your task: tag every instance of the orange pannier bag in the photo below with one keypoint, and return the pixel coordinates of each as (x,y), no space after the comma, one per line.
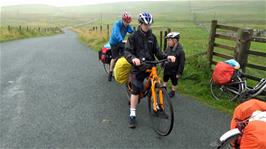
(222,73)
(254,134)
(245,110)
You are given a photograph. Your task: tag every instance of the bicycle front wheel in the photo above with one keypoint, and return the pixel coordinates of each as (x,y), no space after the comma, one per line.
(163,119)
(230,91)
(229,139)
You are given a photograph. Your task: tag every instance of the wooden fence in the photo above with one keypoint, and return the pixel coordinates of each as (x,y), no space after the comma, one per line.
(243,39)
(36,29)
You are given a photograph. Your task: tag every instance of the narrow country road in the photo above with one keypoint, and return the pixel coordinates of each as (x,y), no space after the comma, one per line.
(55,94)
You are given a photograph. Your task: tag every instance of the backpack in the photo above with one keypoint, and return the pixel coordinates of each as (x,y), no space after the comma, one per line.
(105,55)
(222,73)
(122,70)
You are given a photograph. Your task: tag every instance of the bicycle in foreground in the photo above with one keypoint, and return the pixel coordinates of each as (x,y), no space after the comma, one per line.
(159,104)
(232,138)
(238,88)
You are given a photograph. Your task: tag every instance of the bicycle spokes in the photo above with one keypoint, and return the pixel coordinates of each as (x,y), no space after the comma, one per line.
(162,116)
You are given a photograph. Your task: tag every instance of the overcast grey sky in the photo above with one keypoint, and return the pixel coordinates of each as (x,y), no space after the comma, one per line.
(81,2)
(61,2)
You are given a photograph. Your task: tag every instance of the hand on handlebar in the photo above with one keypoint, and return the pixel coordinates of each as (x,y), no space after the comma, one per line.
(136,61)
(171,58)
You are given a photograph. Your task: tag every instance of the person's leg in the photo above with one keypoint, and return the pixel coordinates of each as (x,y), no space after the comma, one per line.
(133,104)
(121,49)
(173,88)
(137,87)
(115,53)
(165,80)
(112,63)
(110,74)
(118,51)
(133,108)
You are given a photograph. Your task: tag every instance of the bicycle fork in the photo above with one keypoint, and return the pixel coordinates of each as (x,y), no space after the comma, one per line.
(154,99)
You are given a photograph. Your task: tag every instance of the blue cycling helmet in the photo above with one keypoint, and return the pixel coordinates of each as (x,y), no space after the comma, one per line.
(145,18)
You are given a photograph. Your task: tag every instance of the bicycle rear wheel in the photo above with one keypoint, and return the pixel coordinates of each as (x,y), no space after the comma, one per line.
(106,67)
(163,120)
(230,91)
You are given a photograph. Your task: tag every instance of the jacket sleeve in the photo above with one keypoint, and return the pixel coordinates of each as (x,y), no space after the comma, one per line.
(117,33)
(181,62)
(158,53)
(130,29)
(129,49)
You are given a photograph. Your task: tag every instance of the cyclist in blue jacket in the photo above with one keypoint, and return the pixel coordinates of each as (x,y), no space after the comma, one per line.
(119,31)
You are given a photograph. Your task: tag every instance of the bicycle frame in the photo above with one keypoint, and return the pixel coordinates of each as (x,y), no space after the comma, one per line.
(260,87)
(248,92)
(245,91)
(243,86)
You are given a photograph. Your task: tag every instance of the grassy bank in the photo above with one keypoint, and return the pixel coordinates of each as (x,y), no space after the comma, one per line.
(14,33)
(92,39)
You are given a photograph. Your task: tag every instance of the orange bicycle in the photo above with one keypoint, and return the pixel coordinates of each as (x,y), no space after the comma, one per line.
(159,104)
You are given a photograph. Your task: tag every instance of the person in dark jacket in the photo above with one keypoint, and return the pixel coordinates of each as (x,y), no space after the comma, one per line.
(174,71)
(141,45)
(120,28)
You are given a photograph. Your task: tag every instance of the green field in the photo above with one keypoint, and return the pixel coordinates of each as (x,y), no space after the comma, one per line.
(191,18)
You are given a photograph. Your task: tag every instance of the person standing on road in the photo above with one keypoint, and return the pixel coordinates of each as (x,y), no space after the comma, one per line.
(120,28)
(142,44)
(173,71)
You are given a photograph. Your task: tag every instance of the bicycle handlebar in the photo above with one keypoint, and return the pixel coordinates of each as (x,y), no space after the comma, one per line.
(154,62)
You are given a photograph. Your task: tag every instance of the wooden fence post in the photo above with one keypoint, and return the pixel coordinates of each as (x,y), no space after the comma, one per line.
(19,28)
(168,30)
(8,28)
(161,40)
(101,28)
(244,36)
(108,34)
(211,41)
(165,41)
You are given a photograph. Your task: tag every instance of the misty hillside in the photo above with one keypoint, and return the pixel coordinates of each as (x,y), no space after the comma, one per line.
(163,11)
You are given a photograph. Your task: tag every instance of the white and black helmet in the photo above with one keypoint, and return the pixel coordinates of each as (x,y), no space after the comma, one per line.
(145,18)
(173,35)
